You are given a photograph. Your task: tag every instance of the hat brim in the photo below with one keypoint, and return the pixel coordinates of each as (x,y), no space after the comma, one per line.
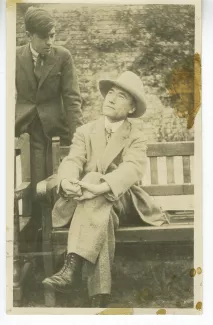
(106,85)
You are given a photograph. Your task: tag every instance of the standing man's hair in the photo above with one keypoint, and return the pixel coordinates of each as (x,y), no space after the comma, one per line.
(38,21)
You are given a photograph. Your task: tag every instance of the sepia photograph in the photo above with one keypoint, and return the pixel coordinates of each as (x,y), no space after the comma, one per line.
(106,150)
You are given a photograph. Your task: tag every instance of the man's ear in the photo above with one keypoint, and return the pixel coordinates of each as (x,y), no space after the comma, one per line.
(132,110)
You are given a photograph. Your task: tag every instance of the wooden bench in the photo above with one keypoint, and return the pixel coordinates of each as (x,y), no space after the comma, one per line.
(174,192)
(22,191)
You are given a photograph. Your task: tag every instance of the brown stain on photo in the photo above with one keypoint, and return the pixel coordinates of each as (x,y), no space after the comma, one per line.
(161,311)
(184,87)
(116,311)
(192,272)
(10,3)
(199,270)
(199,305)
(144,295)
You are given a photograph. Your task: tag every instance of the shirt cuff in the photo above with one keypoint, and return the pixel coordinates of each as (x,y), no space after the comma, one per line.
(61,191)
(110,196)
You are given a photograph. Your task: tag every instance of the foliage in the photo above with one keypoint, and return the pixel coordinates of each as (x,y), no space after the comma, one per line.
(170,40)
(173,129)
(150,40)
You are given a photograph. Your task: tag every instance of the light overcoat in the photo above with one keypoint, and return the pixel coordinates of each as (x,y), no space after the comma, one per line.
(122,163)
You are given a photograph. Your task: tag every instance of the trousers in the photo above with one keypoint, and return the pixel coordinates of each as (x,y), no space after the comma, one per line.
(92,236)
(40,161)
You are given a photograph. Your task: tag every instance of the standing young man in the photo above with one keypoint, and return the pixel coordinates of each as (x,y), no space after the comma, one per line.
(48,101)
(100,186)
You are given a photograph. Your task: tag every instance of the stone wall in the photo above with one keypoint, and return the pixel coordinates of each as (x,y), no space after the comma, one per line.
(108,39)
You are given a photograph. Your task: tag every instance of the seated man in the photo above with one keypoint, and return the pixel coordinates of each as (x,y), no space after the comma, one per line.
(100,185)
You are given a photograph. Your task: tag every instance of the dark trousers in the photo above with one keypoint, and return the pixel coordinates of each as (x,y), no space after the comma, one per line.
(40,161)
(40,169)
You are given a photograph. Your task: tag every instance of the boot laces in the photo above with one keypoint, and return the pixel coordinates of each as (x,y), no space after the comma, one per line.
(71,259)
(63,267)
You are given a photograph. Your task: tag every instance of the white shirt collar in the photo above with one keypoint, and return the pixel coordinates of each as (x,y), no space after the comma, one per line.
(34,53)
(113,126)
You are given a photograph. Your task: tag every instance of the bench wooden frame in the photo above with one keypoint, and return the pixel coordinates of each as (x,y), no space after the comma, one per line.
(22,192)
(181,230)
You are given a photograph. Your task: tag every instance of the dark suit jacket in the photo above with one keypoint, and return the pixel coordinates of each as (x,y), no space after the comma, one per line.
(56,97)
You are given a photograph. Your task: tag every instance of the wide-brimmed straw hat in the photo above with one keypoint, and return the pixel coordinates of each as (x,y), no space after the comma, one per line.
(131,83)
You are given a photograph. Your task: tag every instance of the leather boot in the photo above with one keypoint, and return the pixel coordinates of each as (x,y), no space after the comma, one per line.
(68,277)
(99,301)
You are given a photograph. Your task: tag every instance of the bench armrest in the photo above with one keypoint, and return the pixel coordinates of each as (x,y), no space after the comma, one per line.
(45,187)
(22,191)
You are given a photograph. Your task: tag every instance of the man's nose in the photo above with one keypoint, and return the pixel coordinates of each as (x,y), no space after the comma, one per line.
(49,41)
(112,99)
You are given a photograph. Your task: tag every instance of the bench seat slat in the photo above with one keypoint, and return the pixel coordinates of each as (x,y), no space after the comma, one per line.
(172,189)
(167,233)
(156,234)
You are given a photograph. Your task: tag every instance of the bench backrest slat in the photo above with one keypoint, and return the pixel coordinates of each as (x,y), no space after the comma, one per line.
(154,170)
(170,170)
(167,190)
(170,149)
(186,169)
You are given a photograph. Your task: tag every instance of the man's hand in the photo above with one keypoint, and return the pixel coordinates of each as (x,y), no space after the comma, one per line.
(71,188)
(85,196)
(92,190)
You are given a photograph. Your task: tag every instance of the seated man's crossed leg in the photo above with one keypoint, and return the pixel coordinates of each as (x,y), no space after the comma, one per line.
(91,239)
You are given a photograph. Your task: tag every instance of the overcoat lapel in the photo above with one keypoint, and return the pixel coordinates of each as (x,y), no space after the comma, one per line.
(98,140)
(115,145)
(49,63)
(105,154)
(26,61)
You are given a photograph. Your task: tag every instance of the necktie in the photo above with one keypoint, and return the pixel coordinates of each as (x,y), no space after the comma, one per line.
(38,67)
(108,133)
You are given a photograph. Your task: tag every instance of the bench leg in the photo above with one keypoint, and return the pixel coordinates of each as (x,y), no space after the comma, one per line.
(21,268)
(17,288)
(49,294)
